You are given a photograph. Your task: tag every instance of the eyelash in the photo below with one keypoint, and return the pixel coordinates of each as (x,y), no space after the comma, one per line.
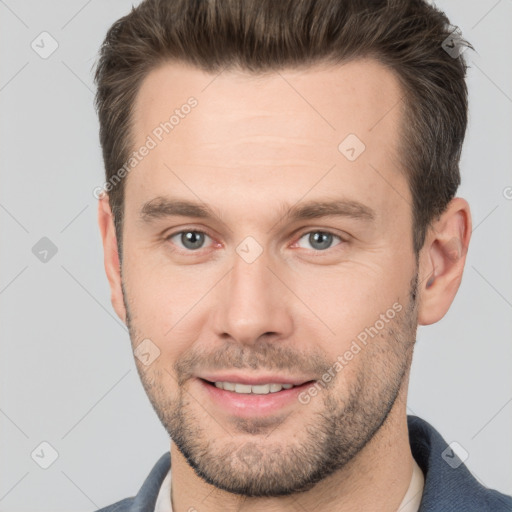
(198,251)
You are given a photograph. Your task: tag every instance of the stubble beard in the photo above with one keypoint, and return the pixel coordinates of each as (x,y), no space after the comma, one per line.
(248,460)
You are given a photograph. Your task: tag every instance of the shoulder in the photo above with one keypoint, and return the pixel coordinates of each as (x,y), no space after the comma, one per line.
(449,485)
(145,499)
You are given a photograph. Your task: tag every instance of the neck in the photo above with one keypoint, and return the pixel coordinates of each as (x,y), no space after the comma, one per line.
(376,479)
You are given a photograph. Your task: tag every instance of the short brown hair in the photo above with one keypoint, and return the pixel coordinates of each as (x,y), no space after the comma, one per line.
(266,35)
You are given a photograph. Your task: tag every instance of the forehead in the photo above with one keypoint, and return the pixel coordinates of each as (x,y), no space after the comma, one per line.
(281,130)
(357,96)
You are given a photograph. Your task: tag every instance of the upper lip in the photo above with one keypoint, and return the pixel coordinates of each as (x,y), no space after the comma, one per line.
(254,380)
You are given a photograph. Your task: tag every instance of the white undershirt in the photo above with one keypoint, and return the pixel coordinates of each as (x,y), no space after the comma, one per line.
(410,503)
(163,501)
(412,498)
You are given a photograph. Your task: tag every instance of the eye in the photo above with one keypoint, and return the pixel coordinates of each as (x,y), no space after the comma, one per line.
(193,240)
(320,240)
(190,240)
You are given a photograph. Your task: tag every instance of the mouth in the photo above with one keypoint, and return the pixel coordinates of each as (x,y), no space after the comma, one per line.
(252,400)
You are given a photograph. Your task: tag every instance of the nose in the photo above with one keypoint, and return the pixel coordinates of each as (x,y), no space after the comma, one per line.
(253,302)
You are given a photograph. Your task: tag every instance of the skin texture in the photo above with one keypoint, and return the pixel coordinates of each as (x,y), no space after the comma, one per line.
(252,148)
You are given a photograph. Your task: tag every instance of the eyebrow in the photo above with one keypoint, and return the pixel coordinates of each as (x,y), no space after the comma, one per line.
(163,207)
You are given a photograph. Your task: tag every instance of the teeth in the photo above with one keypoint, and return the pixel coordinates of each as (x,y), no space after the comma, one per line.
(242,388)
(260,389)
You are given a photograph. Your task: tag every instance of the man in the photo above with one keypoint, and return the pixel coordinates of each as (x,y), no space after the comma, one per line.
(278,217)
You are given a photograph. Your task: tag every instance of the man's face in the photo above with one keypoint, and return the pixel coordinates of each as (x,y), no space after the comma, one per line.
(256,295)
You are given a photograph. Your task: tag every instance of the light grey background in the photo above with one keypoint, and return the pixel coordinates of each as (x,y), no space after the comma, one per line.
(66,369)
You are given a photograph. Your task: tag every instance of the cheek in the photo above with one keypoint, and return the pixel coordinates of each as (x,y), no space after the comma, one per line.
(166,305)
(163,291)
(351,296)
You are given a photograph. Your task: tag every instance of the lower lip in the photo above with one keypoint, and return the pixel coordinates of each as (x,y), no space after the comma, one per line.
(252,404)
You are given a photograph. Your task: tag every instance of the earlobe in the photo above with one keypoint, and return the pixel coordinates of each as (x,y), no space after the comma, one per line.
(111,255)
(442,261)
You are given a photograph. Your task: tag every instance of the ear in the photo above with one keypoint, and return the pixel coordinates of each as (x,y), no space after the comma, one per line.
(111,255)
(442,261)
